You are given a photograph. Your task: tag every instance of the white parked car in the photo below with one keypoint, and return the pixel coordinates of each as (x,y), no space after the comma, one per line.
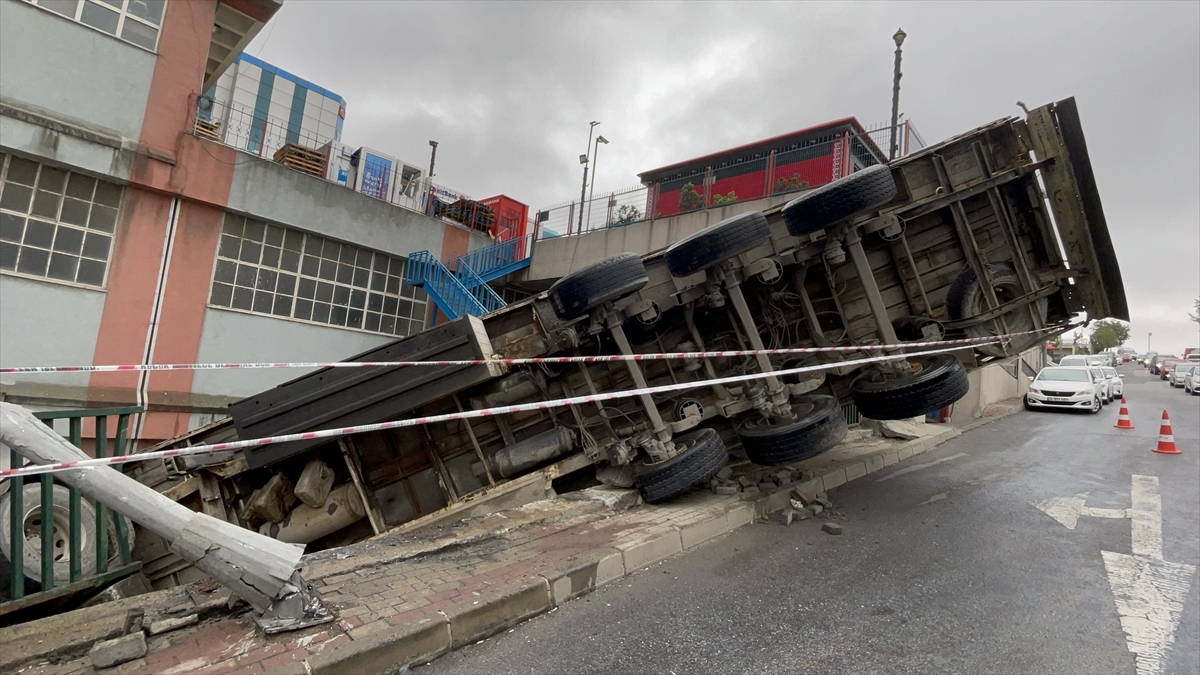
(1116,383)
(1066,388)
(1191,382)
(1175,377)
(1103,383)
(1082,360)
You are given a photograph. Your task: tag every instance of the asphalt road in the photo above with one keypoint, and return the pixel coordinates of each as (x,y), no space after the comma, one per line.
(945,566)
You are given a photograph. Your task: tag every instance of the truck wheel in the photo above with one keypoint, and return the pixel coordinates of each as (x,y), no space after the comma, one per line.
(818,426)
(716,243)
(965,299)
(939,380)
(575,294)
(704,457)
(61,518)
(817,209)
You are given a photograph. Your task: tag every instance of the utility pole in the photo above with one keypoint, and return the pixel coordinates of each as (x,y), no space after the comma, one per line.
(583,159)
(592,192)
(898,38)
(432,159)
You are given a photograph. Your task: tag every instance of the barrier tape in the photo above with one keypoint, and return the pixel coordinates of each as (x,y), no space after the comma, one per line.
(511,362)
(469,414)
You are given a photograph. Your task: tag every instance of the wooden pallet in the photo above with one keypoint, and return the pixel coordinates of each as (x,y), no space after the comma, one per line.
(208,129)
(304,159)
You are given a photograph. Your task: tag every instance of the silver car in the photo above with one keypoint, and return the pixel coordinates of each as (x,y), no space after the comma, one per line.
(1116,383)
(1177,374)
(1191,382)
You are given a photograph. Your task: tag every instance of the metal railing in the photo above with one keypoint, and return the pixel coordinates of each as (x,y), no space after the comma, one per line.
(777,173)
(447,291)
(57,540)
(495,261)
(259,134)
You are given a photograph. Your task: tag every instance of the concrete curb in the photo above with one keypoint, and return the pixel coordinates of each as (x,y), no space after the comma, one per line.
(427,638)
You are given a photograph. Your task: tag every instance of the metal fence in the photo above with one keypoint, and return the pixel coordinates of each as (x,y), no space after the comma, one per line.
(72,541)
(387,179)
(778,173)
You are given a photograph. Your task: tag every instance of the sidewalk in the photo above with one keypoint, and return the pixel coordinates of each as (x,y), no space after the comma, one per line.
(408,598)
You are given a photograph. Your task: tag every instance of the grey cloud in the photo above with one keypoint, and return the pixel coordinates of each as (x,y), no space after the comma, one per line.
(508,89)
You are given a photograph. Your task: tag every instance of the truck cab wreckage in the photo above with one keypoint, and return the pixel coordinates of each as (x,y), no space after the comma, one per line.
(997,235)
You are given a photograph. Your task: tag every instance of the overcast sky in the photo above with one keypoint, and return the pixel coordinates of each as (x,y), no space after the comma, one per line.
(508,89)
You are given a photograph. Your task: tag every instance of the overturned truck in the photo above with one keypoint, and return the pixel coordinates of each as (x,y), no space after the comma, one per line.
(996,232)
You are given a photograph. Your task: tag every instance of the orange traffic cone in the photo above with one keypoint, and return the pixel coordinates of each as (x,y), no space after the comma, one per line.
(1123,417)
(1166,439)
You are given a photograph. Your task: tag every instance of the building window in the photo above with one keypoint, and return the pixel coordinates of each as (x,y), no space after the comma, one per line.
(279,271)
(55,224)
(134,21)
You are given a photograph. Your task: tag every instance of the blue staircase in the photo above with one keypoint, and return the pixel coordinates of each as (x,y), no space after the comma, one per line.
(460,285)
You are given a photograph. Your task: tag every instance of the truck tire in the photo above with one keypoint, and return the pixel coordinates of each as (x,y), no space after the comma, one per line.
(716,243)
(583,290)
(964,299)
(862,190)
(704,457)
(818,426)
(32,495)
(939,381)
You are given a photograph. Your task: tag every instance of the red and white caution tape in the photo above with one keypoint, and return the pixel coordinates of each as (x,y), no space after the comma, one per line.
(512,362)
(469,414)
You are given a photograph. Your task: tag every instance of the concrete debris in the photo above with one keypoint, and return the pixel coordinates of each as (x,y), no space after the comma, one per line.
(824,501)
(725,473)
(727,489)
(134,619)
(903,429)
(747,481)
(617,499)
(766,486)
(788,516)
(816,509)
(750,494)
(783,477)
(130,586)
(832,528)
(167,625)
(805,498)
(114,652)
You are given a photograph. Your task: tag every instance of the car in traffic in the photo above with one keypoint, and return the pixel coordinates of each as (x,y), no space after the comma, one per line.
(1084,360)
(1167,367)
(1103,383)
(1180,370)
(1065,388)
(1127,354)
(1147,358)
(1116,383)
(1191,382)
(1156,363)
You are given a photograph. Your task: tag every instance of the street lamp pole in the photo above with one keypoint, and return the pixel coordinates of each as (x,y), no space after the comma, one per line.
(592,192)
(1148,342)
(432,160)
(583,159)
(898,38)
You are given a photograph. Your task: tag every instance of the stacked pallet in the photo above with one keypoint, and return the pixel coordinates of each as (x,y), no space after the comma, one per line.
(304,159)
(208,129)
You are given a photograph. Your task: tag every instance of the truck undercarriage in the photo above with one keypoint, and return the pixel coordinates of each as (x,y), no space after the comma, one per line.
(996,232)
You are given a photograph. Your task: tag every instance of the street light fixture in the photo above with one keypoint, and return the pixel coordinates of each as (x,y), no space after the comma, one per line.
(898,38)
(583,159)
(592,192)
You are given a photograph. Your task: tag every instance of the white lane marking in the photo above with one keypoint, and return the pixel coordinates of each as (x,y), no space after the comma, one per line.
(1097,512)
(918,467)
(1149,593)
(1147,517)
(1065,510)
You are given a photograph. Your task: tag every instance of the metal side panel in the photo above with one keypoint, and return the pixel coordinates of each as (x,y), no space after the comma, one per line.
(1056,135)
(339,397)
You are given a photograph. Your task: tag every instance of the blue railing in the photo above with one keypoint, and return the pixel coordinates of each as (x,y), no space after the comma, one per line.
(460,286)
(448,293)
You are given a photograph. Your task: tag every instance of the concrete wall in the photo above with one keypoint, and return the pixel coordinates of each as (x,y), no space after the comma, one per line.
(58,65)
(232,336)
(559,256)
(995,382)
(273,192)
(43,324)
